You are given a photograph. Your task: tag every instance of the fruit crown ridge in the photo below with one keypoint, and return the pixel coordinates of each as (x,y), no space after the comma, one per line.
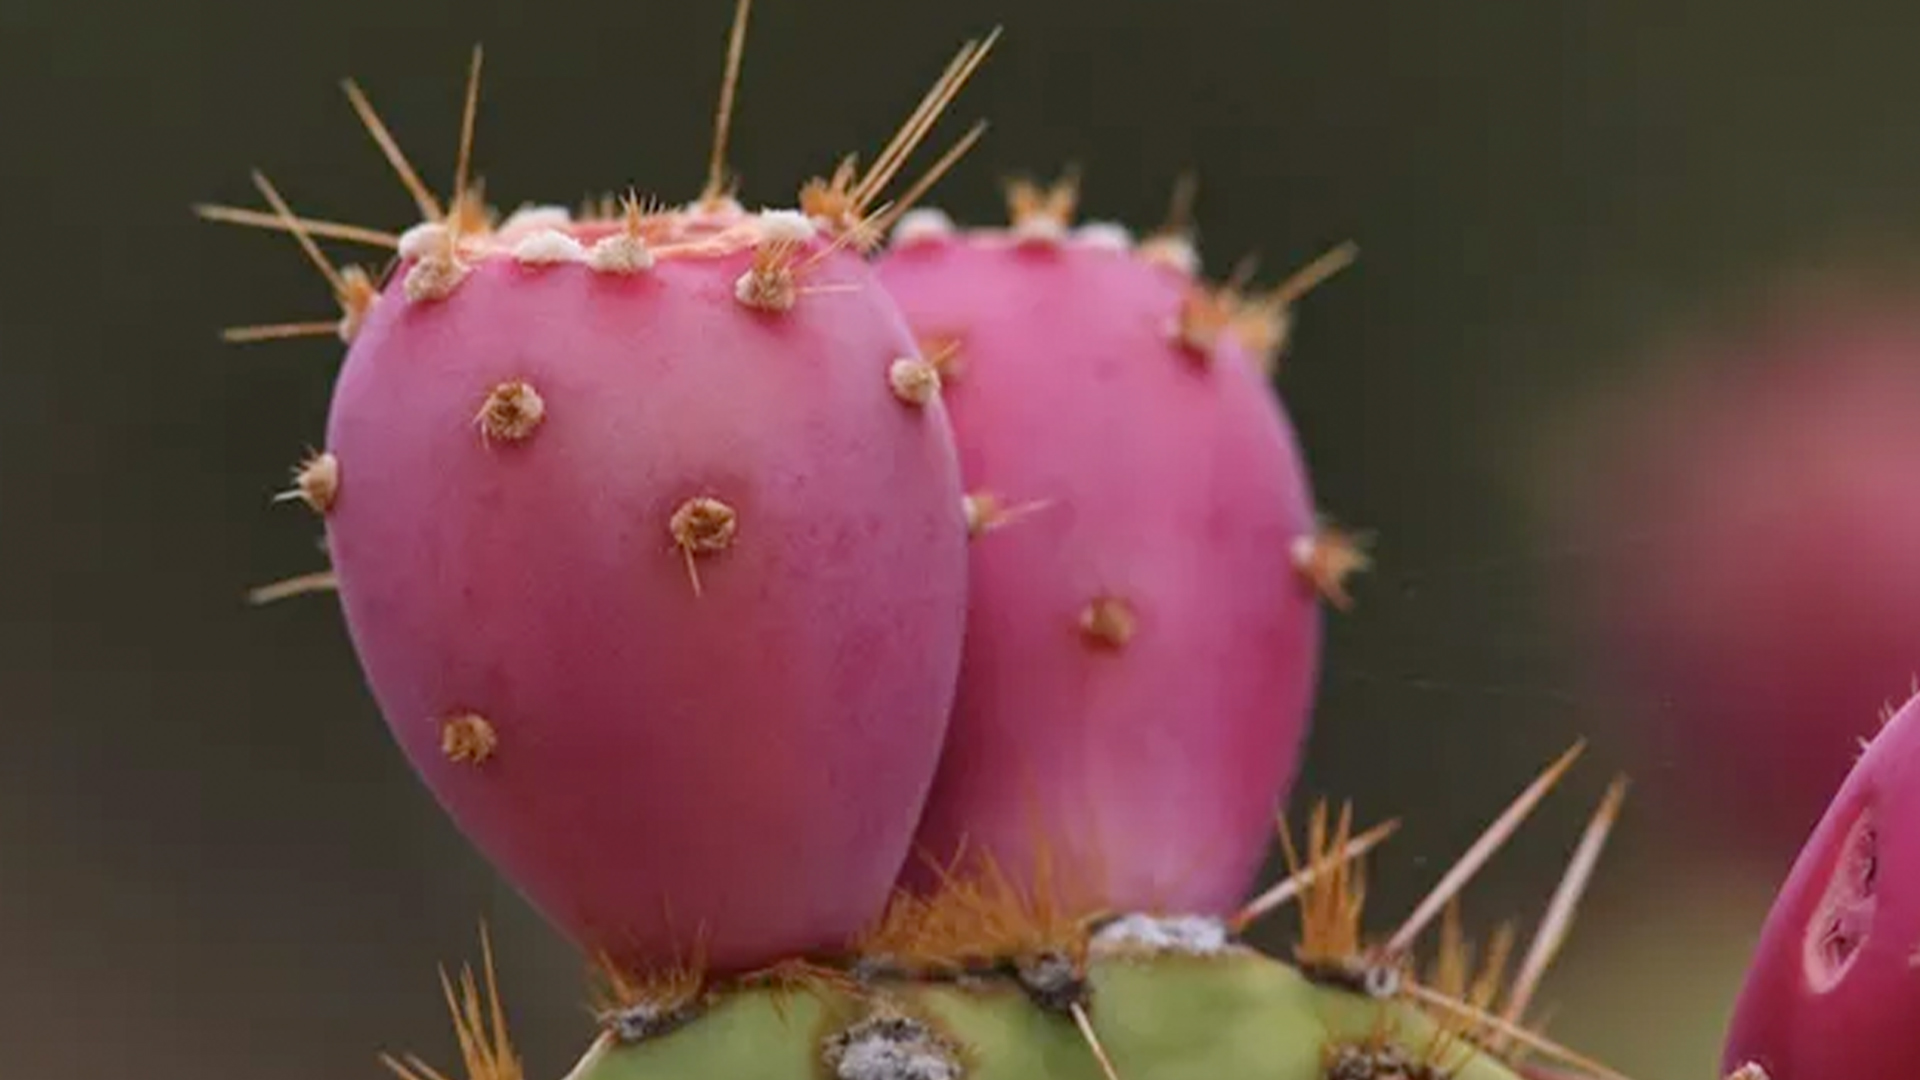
(612,235)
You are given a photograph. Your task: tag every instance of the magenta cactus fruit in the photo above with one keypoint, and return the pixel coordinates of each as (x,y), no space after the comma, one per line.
(1142,645)
(686,560)
(1832,991)
(650,541)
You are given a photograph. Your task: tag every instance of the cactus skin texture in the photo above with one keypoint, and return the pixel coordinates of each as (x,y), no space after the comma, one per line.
(1232,1016)
(1142,649)
(653,737)
(1835,984)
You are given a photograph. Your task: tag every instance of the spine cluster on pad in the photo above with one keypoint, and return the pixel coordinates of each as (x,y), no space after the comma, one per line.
(882,645)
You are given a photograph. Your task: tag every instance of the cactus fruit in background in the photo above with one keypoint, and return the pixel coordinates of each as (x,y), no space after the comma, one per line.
(1769,602)
(653,540)
(1835,983)
(1144,636)
(655,570)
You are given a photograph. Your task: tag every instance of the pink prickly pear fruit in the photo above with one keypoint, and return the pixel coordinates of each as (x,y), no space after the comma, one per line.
(1834,985)
(1142,646)
(649,532)
(1765,601)
(661,594)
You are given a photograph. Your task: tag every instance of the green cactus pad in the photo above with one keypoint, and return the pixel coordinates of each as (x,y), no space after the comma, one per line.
(1227,1016)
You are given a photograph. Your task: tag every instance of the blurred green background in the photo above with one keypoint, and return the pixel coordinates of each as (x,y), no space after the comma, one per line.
(213,862)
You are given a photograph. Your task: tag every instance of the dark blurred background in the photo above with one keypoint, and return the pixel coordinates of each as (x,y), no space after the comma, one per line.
(213,862)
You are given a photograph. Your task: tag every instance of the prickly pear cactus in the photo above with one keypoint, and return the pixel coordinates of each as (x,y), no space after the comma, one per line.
(1227,1012)
(672,576)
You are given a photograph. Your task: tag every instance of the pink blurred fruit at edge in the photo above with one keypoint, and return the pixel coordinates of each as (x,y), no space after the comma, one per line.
(1142,649)
(1758,592)
(1834,988)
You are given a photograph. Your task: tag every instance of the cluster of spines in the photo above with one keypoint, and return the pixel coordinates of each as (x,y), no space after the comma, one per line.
(1331,948)
(631,235)
(634,233)
(1046,215)
(1258,321)
(980,926)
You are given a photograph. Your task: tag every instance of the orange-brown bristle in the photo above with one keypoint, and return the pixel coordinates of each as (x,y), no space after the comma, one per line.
(665,988)
(480,1026)
(1554,926)
(423,197)
(1261,327)
(1453,974)
(1263,321)
(1452,963)
(920,123)
(1330,557)
(1178,224)
(771,283)
(596,208)
(1287,888)
(882,220)
(471,214)
(1524,1040)
(1205,313)
(943,352)
(356,299)
(318,581)
(466,204)
(645,218)
(979,916)
(332,230)
(1333,901)
(799,973)
(848,201)
(721,184)
(1056,204)
(865,233)
(1483,849)
(786,978)
(831,198)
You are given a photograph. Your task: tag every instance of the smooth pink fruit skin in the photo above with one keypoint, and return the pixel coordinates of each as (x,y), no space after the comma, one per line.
(737,772)
(1765,596)
(1150,774)
(1863,1026)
